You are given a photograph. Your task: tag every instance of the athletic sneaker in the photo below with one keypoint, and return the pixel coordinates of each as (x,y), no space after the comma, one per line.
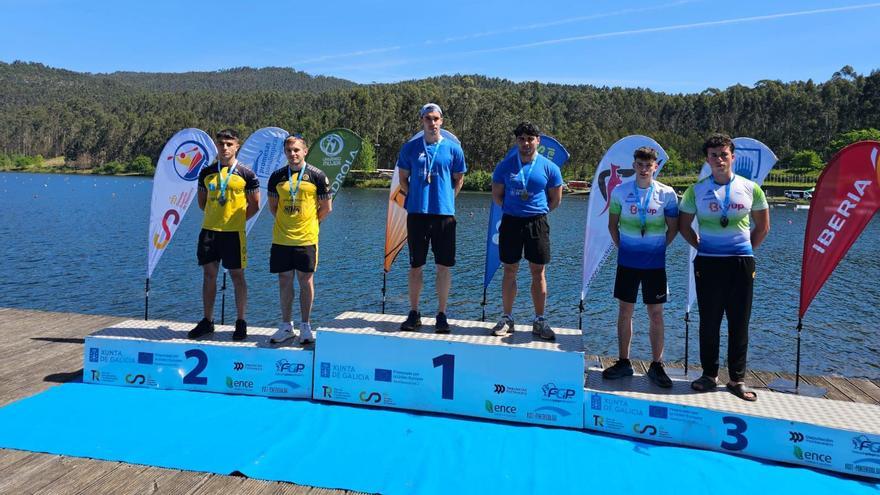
(503,327)
(240,332)
(440,323)
(305,335)
(201,329)
(621,368)
(413,321)
(284,333)
(542,329)
(658,375)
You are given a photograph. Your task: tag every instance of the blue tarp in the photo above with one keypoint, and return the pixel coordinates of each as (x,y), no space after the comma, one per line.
(375,450)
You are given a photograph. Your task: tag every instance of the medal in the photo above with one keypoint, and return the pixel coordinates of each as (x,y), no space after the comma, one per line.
(725,205)
(429,159)
(524,195)
(643,204)
(224,183)
(724,221)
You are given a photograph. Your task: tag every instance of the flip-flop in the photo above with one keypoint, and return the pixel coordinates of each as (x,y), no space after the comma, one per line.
(704,384)
(742,391)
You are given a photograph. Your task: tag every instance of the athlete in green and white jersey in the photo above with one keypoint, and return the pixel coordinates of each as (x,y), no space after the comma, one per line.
(724,269)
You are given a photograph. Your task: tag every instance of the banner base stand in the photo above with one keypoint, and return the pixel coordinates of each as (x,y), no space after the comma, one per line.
(676,372)
(787,387)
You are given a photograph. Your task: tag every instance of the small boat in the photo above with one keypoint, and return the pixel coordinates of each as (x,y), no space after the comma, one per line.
(801,207)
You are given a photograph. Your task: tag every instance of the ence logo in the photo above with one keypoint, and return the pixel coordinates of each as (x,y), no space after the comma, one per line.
(239,384)
(805,455)
(188,160)
(499,408)
(332,144)
(373,397)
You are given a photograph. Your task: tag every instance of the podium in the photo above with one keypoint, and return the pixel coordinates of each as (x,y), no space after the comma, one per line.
(157,354)
(363,358)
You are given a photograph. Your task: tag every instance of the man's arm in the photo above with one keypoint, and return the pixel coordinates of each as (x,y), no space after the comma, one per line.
(614,227)
(404,180)
(273,204)
(325,206)
(687,231)
(554,197)
(203,198)
(253,204)
(671,229)
(498,193)
(457,182)
(762,226)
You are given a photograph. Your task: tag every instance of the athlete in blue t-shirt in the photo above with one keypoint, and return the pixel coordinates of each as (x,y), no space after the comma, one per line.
(526,186)
(724,269)
(431,174)
(642,220)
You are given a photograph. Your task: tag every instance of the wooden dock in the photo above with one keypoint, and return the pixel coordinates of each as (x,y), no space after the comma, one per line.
(40,349)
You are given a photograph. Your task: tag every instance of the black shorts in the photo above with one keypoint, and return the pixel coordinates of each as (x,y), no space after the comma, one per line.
(227,247)
(652,280)
(286,258)
(438,230)
(524,234)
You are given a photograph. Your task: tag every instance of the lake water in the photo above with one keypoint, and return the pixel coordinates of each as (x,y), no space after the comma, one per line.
(78,243)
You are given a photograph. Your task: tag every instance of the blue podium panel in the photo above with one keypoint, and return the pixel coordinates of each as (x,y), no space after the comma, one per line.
(362,358)
(156,354)
(819,433)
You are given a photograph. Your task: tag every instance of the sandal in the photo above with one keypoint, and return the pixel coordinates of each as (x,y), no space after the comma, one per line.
(742,391)
(704,384)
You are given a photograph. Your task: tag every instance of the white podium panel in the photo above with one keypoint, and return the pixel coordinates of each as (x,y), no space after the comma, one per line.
(156,354)
(819,433)
(364,360)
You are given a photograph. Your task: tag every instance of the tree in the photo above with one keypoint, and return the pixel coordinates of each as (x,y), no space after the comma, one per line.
(366,159)
(844,139)
(141,165)
(805,161)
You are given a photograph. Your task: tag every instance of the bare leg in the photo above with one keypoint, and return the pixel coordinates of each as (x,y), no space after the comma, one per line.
(240,291)
(444,281)
(624,328)
(285,293)
(655,314)
(539,287)
(508,287)
(209,288)
(306,294)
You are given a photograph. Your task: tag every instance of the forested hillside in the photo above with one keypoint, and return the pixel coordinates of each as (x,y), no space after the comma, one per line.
(94,118)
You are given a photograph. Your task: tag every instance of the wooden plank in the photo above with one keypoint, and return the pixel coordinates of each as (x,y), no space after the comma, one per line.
(174,482)
(83,472)
(25,469)
(123,479)
(854,393)
(28,482)
(218,485)
(868,387)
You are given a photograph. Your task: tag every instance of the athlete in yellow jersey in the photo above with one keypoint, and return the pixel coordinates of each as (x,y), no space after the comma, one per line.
(229,193)
(300,198)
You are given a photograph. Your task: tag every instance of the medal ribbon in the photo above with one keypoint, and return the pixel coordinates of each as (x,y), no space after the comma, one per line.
(429,159)
(294,192)
(225,183)
(725,204)
(643,205)
(525,178)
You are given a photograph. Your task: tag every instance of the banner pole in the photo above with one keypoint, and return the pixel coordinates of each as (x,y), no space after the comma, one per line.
(581,315)
(797,368)
(686,339)
(483,304)
(223,300)
(384,275)
(147,300)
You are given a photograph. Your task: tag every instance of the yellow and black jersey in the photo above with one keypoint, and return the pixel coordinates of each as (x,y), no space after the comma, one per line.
(296,222)
(228,216)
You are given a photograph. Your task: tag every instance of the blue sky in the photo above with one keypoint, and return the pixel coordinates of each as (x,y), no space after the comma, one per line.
(665,45)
